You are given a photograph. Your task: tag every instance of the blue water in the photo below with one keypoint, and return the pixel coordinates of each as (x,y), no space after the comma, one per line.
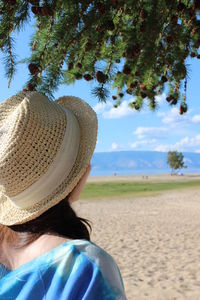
(128,172)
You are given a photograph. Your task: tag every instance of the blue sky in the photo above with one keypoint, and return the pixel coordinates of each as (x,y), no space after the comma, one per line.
(123,128)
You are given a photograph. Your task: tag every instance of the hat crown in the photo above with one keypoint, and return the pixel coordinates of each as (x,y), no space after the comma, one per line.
(49,150)
(31,131)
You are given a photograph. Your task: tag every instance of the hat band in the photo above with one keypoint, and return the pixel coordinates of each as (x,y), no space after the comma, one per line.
(59,169)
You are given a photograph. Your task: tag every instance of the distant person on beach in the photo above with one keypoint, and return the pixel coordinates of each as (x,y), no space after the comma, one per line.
(45,248)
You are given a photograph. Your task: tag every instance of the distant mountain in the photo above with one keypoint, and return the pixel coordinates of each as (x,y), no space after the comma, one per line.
(139,162)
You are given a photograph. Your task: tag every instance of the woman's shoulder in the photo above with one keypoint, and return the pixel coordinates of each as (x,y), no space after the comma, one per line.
(74,266)
(94,252)
(88,249)
(101,259)
(89,263)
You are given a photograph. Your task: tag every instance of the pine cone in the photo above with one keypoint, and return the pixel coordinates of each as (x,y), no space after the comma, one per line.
(11,2)
(46,11)
(87,77)
(101,77)
(184,107)
(181,110)
(169,98)
(126,69)
(164,78)
(137,107)
(181,7)
(70,66)
(129,91)
(78,76)
(79,65)
(192,54)
(143,86)
(36,10)
(33,68)
(133,84)
(114,97)
(174,101)
(132,52)
(143,95)
(121,95)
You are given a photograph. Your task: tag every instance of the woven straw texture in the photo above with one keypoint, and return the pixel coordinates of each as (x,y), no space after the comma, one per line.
(31,131)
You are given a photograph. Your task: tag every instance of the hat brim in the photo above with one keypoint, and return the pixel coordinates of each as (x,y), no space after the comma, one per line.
(10,214)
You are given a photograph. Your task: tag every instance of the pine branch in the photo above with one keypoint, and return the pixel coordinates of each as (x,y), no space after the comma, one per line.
(138,47)
(9,59)
(101,93)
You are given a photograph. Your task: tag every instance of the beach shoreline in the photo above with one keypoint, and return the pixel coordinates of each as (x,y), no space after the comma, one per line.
(143,177)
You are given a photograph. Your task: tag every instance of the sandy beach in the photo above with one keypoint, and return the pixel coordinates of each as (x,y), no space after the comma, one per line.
(154,240)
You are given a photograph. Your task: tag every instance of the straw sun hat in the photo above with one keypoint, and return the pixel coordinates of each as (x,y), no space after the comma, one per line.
(45,148)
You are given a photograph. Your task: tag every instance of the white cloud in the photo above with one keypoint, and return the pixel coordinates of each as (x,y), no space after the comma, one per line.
(121,111)
(172,117)
(114,146)
(101,106)
(162,148)
(185,144)
(160,99)
(143,132)
(144,142)
(196,119)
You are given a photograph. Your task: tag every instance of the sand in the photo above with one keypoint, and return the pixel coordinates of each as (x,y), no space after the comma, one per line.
(154,240)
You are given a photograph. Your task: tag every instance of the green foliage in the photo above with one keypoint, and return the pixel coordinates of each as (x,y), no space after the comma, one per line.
(128,41)
(109,190)
(175,160)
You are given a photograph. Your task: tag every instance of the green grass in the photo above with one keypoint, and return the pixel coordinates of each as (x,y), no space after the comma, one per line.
(99,190)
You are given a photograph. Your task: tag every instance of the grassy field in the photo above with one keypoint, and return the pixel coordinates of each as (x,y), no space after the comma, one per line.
(112,189)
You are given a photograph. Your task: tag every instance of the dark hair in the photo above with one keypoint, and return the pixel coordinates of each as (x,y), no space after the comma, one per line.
(60,219)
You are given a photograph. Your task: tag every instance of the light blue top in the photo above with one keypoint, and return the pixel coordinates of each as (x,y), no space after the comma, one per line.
(75,270)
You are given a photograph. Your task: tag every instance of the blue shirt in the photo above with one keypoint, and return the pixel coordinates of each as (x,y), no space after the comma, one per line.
(75,270)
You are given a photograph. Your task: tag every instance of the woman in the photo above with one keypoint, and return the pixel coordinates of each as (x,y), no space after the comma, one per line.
(46,252)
